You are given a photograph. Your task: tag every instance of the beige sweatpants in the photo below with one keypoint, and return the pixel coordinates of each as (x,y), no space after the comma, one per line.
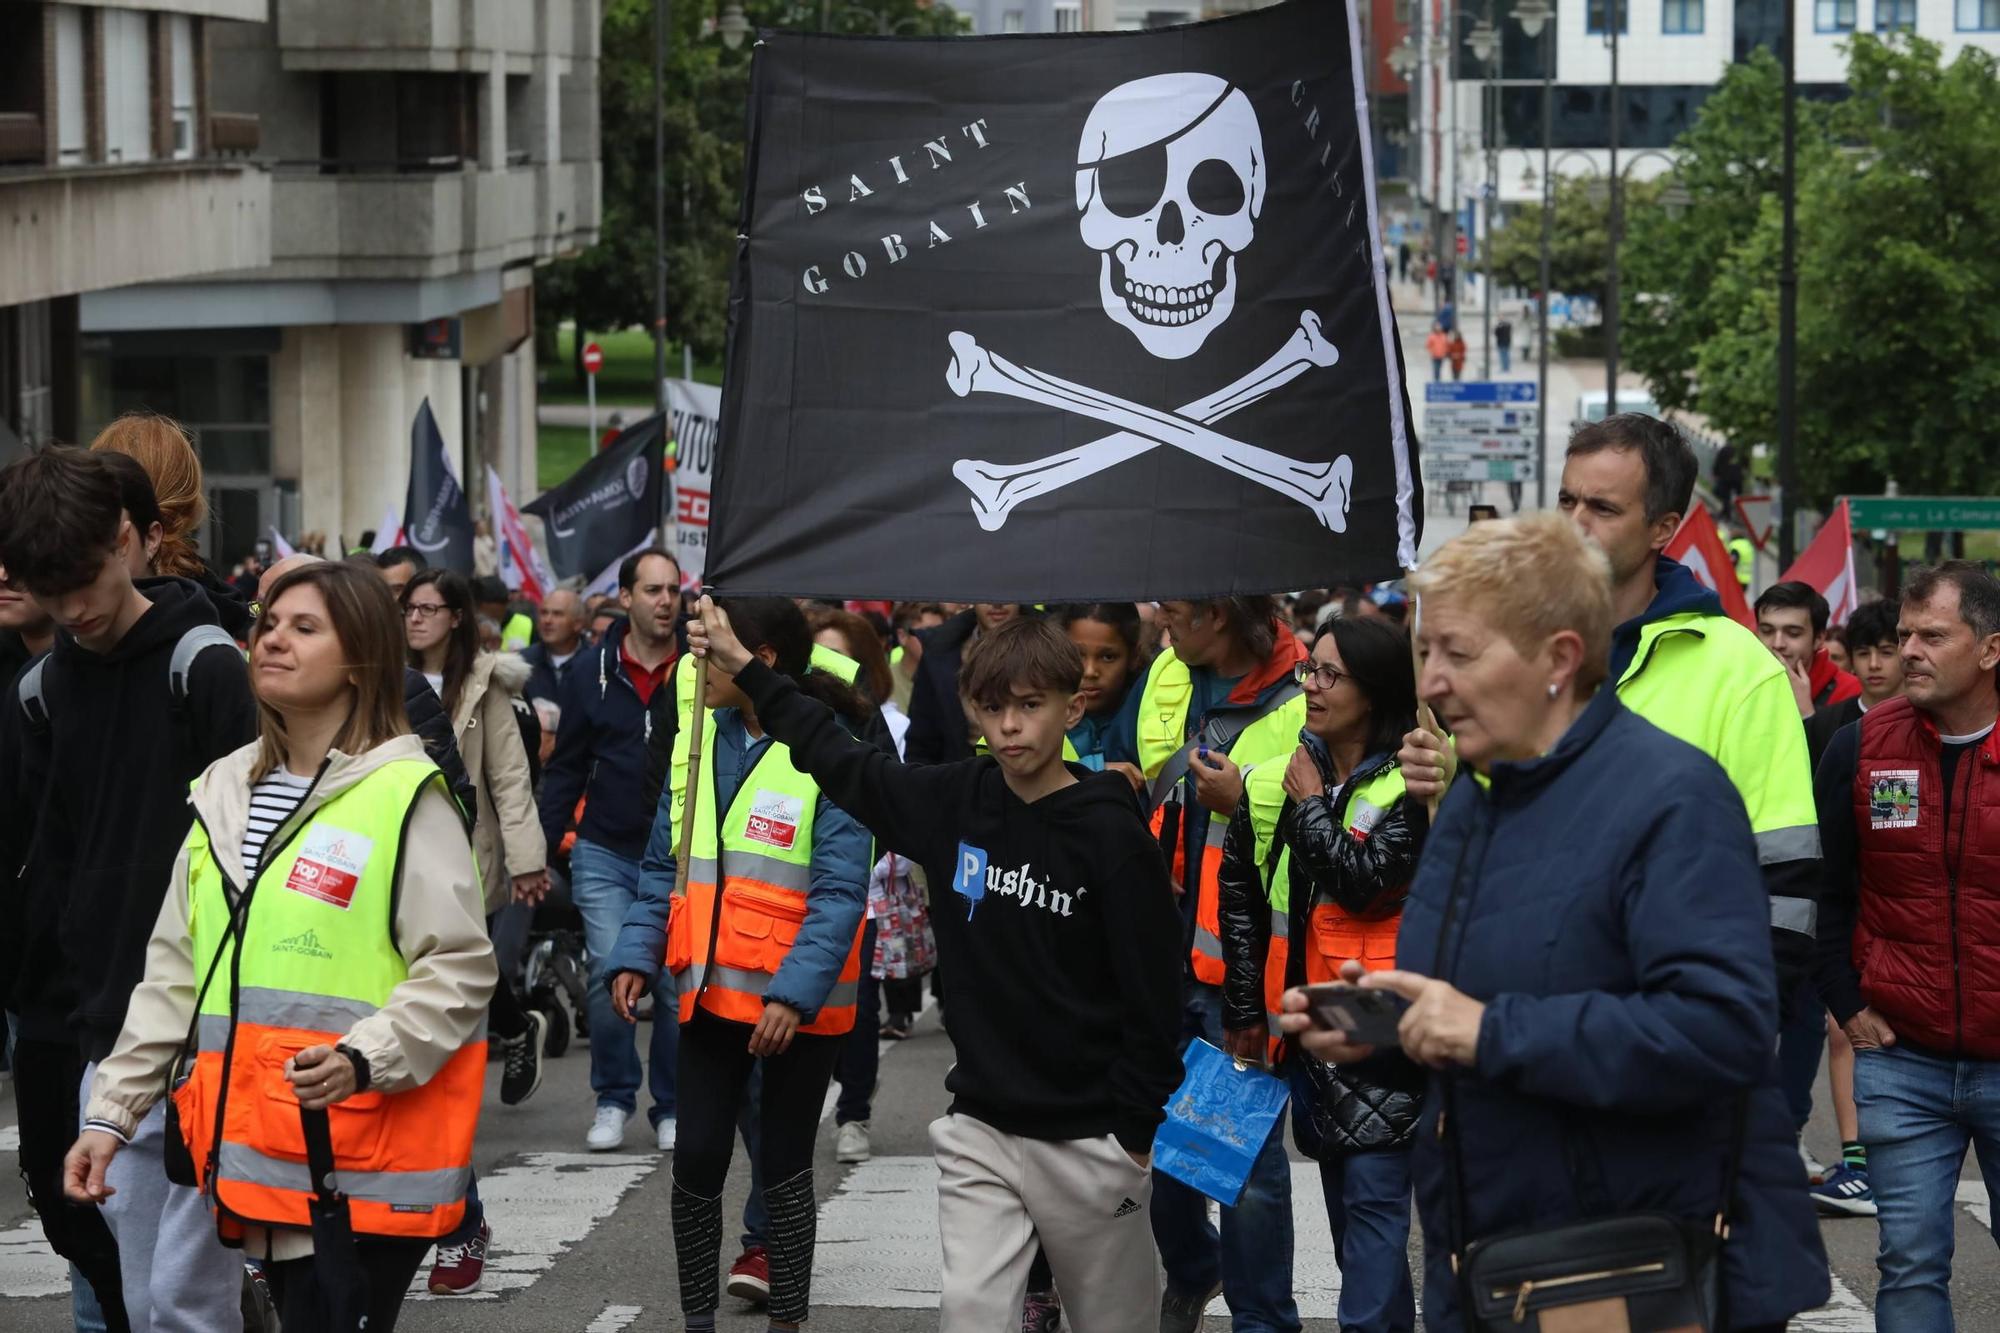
(1087,1201)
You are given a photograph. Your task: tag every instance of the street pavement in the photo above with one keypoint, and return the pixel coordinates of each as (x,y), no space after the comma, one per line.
(582,1241)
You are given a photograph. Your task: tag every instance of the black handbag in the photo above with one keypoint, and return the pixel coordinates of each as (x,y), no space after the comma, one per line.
(1636,1272)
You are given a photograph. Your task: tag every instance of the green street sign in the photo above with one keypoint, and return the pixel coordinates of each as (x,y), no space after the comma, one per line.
(1925,513)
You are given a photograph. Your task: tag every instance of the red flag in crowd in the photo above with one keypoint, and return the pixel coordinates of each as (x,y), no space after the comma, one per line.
(521,565)
(1698,545)
(1828,564)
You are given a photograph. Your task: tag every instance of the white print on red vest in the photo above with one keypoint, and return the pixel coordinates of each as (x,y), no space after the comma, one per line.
(329,865)
(774,819)
(1892,798)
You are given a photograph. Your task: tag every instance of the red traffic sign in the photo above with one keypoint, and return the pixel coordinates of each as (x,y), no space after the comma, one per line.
(1760,518)
(593,358)
(1461,242)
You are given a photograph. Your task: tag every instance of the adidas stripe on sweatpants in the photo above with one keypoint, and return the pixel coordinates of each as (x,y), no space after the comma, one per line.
(1086,1199)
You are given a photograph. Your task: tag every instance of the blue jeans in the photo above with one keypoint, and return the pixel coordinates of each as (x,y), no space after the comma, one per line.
(603,885)
(1252,1254)
(1506,358)
(1800,1044)
(84,1311)
(1368,1208)
(1918,1115)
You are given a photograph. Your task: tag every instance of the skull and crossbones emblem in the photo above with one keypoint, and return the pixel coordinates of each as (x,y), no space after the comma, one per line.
(1170,183)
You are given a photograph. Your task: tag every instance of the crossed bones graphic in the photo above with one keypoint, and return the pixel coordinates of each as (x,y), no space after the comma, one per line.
(997,488)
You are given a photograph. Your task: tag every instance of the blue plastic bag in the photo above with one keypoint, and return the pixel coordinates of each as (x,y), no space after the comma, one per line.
(1218,1121)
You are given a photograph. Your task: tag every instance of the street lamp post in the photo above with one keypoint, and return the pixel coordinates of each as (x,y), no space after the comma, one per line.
(1484,41)
(1788,301)
(662,13)
(1533,16)
(1616,226)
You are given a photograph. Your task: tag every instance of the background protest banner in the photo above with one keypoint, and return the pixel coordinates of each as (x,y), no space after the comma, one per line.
(437,518)
(1096,316)
(610,505)
(1698,545)
(694,414)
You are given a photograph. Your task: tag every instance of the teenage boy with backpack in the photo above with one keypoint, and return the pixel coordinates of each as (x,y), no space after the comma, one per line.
(142,691)
(1061,953)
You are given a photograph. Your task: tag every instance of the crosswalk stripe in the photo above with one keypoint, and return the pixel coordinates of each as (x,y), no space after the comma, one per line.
(28,1267)
(614,1318)
(541,1208)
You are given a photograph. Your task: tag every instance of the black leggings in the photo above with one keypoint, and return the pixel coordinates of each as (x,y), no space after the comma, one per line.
(387,1265)
(715,1063)
(505,1018)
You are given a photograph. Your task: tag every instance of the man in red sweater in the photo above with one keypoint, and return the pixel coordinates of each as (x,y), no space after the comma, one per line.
(1909,928)
(1791,620)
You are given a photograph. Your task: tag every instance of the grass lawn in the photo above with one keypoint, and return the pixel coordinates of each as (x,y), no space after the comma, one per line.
(627,376)
(560,451)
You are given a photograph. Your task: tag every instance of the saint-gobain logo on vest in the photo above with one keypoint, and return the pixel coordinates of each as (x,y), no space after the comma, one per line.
(774,820)
(329,865)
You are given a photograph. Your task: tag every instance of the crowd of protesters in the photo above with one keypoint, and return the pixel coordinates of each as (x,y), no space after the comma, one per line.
(1622,869)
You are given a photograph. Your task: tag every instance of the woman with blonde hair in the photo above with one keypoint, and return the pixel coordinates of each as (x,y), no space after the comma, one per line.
(1585,955)
(161,446)
(301,1039)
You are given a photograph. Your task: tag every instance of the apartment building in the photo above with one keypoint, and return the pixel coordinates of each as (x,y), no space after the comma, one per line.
(392,170)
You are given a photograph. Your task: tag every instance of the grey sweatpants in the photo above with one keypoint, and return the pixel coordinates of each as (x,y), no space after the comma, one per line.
(177,1275)
(1087,1201)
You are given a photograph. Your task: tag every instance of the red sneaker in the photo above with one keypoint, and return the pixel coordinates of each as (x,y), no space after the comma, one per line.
(459,1267)
(750,1276)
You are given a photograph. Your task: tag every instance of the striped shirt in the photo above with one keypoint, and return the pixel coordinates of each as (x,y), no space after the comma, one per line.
(272,802)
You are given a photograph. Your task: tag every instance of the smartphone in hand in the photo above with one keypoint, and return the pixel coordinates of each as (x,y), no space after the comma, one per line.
(1363,1017)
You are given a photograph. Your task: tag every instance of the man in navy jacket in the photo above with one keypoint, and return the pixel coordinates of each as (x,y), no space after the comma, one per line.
(612,698)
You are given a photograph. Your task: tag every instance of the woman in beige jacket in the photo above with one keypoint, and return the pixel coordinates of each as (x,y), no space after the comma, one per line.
(478,690)
(265,868)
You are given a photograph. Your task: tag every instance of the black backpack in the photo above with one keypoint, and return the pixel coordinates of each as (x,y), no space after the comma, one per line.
(34,701)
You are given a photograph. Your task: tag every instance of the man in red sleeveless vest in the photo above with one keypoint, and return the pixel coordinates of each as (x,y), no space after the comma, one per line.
(1909,807)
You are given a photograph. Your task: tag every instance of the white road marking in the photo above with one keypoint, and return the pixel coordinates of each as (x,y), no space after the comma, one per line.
(833,1088)
(10,1138)
(541,1208)
(878,1241)
(1843,1313)
(28,1267)
(1972,1196)
(614,1318)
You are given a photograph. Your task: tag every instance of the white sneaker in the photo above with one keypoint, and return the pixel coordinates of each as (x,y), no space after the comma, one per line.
(665,1133)
(607,1132)
(1816,1170)
(852,1144)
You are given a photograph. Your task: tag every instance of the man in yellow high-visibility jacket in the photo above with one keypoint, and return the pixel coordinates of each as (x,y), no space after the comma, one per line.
(1687,668)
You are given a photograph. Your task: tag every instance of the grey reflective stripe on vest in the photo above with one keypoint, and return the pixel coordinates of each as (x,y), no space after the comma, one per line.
(1795,914)
(844,995)
(1205,941)
(408,1189)
(1281,925)
(214,1033)
(1797,843)
(751,865)
(272,1008)
(1218,830)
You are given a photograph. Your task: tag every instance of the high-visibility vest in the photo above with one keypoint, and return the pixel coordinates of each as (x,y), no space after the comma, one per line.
(743,892)
(1163,731)
(1745,557)
(1333,935)
(1707,680)
(517,633)
(317,954)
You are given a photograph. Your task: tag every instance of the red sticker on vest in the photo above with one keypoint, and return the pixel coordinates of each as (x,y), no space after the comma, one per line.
(774,820)
(329,865)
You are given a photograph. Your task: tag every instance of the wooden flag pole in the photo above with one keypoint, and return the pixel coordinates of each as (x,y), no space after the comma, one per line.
(1426,719)
(697,719)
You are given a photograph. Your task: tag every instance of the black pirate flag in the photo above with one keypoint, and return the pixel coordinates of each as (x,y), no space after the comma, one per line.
(1091,316)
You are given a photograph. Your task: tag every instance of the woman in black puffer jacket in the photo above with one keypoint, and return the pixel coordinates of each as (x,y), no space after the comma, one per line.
(1319,856)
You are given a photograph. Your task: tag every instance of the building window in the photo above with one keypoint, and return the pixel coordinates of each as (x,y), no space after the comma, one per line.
(72,104)
(128,86)
(1895,15)
(1833,15)
(1978,15)
(180,49)
(1013,20)
(1069,18)
(1680,16)
(1596,16)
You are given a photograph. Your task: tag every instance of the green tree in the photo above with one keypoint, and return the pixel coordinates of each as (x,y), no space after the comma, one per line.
(1899,254)
(1579,242)
(610,286)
